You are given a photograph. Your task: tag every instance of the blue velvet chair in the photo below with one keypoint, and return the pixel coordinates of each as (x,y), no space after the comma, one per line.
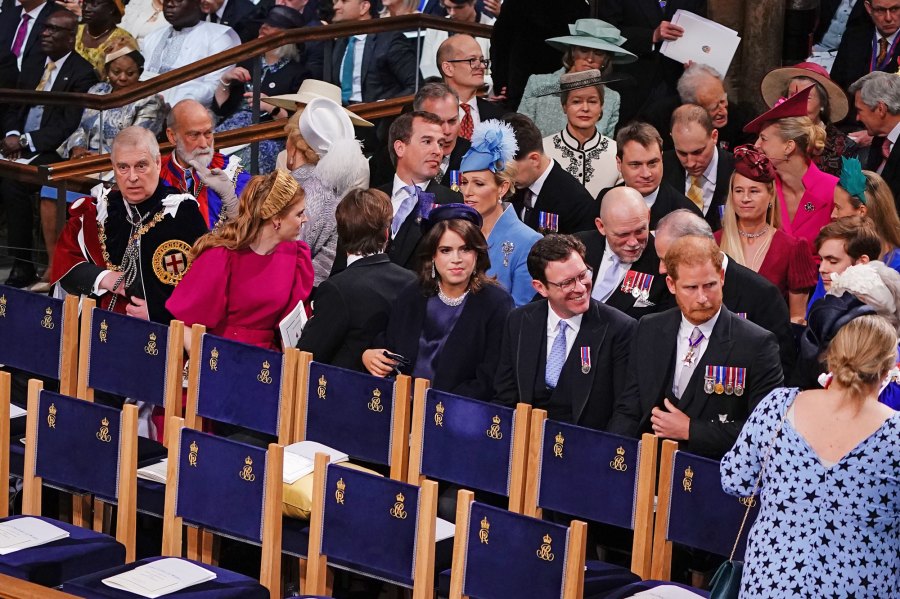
(365,416)
(81,447)
(221,485)
(239,384)
(471,443)
(498,554)
(38,335)
(600,477)
(372,525)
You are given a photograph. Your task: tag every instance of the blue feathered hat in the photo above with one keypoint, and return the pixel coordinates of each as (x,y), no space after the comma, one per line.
(853,181)
(493,145)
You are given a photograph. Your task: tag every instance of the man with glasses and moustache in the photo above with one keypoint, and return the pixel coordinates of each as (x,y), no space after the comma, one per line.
(566,353)
(129,247)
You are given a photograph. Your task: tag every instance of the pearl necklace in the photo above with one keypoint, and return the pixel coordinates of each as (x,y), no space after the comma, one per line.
(451,301)
(746,235)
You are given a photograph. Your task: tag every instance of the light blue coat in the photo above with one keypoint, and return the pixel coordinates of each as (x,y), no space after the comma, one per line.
(548,115)
(508,246)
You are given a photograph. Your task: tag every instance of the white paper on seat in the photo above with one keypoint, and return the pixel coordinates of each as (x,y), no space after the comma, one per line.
(155,472)
(291,326)
(159,578)
(704,41)
(667,591)
(443,530)
(15,411)
(23,533)
(299,459)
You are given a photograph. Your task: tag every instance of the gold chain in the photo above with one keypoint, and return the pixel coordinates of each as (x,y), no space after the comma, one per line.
(134,237)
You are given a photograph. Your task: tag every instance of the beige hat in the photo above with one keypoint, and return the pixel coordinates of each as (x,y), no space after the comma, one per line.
(309,90)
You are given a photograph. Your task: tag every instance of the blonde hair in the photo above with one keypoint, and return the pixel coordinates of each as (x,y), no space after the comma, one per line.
(295,138)
(881,209)
(809,136)
(861,354)
(731,240)
(508,175)
(264,198)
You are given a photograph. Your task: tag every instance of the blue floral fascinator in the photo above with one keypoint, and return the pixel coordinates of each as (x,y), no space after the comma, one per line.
(493,145)
(853,181)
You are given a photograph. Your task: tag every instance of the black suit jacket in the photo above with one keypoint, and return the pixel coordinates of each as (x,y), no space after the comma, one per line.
(668,200)
(854,56)
(242,15)
(351,308)
(382,171)
(564,196)
(11,14)
(57,122)
(489,110)
(468,362)
(676,176)
(716,419)
(826,12)
(595,245)
(607,332)
(891,171)
(389,67)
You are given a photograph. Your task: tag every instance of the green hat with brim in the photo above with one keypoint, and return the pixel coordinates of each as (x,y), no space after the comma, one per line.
(596,34)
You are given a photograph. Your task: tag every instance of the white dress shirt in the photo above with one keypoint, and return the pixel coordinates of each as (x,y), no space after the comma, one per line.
(681,347)
(650,198)
(605,264)
(358,49)
(553,330)
(398,194)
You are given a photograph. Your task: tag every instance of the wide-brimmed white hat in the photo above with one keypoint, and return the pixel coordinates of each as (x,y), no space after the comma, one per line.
(309,90)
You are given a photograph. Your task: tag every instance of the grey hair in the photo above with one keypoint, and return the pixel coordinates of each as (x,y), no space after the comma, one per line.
(691,79)
(288,51)
(136,137)
(433,91)
(879,87)
(683,223)
(170,118)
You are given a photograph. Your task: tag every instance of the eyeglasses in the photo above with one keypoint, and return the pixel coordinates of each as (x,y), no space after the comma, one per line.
(569,284)
(474,62)
(881,11)
(54,29)
(140,168)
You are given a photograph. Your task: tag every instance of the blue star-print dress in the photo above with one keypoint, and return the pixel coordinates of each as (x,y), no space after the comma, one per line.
(821,532)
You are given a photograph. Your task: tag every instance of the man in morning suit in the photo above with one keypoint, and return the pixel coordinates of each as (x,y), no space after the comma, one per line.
(877,102)
(696,371)
(462,64)
(566,353)
(640,160)
(697,166)
(547,197)
(353,306)
(36,131)
(620,252)
(869,46)
(746,293)
(240,15)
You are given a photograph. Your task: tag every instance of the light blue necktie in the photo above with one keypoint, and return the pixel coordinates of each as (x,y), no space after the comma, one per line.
(605,286)
(557,356)
(347,72)
(189,180)
(405,208)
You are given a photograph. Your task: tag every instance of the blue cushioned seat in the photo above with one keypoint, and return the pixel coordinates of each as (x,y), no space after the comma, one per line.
(644,585)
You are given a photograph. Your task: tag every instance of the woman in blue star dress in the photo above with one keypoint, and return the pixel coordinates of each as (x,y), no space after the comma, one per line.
(829,524)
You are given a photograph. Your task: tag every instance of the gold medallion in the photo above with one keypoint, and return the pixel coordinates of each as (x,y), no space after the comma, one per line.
(170,261)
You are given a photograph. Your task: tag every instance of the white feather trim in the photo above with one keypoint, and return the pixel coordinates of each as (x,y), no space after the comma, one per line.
(495,136)
(344,167)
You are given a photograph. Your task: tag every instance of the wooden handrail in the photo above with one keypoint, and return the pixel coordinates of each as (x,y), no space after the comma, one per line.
(240,53)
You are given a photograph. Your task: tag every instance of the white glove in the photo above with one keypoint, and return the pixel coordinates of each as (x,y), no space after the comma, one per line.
(217,180)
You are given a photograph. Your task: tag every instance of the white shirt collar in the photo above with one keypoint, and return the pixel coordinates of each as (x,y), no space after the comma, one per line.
(713,167)
(351,258)
(539,182)
(34,12)
(894,134)
(399,184)
(890,38)
(650,198)
(553,321)
(706,328)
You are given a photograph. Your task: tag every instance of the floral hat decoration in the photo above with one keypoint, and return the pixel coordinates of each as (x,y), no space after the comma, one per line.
(493,145)
(852,180)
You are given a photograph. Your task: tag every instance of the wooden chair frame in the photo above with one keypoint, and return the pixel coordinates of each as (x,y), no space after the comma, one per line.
(519,449)
(641,550)
(661,565)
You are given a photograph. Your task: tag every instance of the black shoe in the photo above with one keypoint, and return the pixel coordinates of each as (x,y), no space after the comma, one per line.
(21,278)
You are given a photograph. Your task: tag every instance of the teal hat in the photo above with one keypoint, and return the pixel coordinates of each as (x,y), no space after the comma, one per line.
(493,145)
(596,34)
(852,180)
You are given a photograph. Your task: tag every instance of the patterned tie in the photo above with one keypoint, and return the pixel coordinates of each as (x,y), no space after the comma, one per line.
(882,51)
(347,72)
(695,192)
(51,66)
(557,356)
(21,34)
(406,207)
(189,181)
(467,125)
(688,369)
(607,285)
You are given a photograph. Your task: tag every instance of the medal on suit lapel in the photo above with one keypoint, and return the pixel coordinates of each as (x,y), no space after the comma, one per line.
(628,282)
(646,281)
(708,380)
(739,385)
(454,180)
(720,376)
(585,360)
(729,380)
(548,222)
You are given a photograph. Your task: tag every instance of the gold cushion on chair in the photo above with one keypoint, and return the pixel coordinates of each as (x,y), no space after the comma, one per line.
(297,497)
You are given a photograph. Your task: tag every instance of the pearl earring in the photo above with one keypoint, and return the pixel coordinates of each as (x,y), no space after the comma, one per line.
(277,226)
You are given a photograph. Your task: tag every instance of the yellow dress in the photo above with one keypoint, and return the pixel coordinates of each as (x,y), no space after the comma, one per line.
(97,56)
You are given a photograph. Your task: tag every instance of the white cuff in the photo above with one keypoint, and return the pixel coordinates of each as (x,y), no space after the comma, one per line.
(95,290)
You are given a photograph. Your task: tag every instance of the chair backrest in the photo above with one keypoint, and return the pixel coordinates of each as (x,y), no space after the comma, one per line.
(364,416)
(39,334)
(693,510)
(472,443)
(594,475)
(5,386)
(225,487)
(83,447)
(499,554)
(114,347)
(372,525)
(240,384)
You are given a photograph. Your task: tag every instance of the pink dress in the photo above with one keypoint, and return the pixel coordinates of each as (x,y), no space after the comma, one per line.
(243,295)
(814,211)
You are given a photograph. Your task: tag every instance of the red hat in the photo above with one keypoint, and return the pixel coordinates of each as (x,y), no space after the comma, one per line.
(753,164)
(793,106)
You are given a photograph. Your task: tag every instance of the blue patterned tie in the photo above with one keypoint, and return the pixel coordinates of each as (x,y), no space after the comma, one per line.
(557,356)
(189,181)
(347,72)
(405,208)
(605,286)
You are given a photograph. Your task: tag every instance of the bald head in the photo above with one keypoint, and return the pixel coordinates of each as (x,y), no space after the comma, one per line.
(675,225)
(625,222)
(463,77)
